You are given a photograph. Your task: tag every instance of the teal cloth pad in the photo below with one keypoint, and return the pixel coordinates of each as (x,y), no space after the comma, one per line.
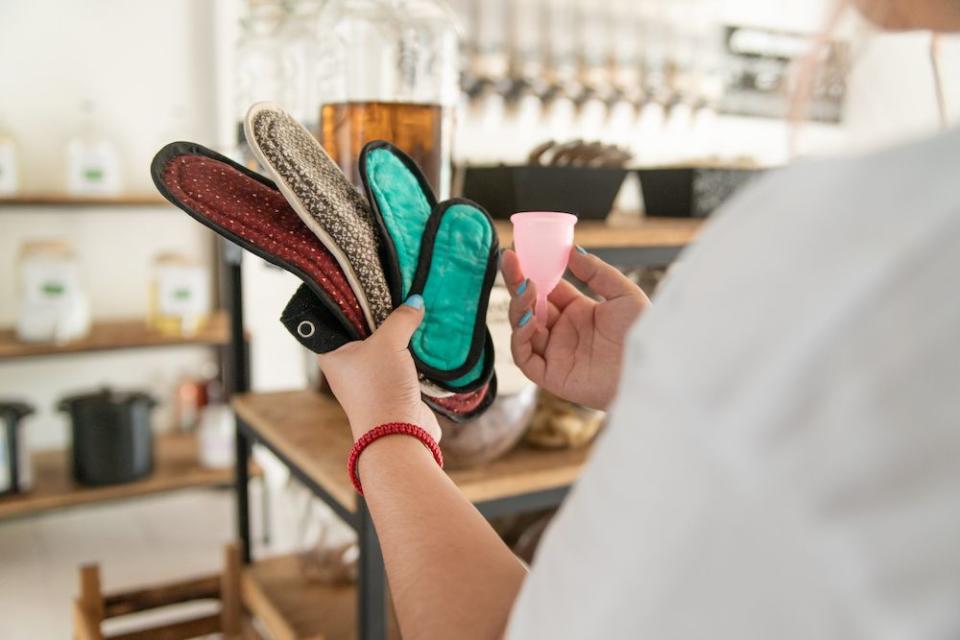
(404,207)
(454,284)
(446,252)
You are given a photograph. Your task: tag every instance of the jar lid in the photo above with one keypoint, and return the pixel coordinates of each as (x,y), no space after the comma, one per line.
(47,248)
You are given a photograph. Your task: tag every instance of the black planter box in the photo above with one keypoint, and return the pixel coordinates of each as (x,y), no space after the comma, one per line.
(587,192)
(690,192)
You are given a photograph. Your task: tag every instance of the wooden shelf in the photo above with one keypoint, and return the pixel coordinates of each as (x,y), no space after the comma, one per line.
(290,606)
(177,466)
(66,200)
(621,232)
(108,335)
(312,433)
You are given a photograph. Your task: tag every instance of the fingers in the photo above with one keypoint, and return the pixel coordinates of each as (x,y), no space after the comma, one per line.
(399,326)
(602,278)
(522,299)
(563,294)
(525,355)
(510,268)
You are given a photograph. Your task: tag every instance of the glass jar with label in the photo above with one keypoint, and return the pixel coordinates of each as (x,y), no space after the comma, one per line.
(52,303)
(93,163)
(179,295)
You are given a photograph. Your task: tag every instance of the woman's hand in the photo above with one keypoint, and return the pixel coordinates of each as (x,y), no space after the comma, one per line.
(376,381)
(578,355)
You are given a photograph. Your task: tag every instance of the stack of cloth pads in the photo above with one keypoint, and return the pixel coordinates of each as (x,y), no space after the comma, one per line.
(358,257)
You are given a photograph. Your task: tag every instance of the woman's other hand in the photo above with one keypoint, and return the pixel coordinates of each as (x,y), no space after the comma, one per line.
(375,379)
(579,354)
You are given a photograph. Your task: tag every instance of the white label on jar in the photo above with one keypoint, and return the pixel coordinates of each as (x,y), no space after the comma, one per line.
(182,291)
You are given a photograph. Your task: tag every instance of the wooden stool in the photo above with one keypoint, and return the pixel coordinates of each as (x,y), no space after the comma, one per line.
(93,607)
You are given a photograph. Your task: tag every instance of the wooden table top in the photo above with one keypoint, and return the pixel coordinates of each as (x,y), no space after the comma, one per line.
(311,431)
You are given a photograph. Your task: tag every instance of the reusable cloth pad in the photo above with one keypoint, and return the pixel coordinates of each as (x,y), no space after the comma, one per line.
(311,324)
(446,252)
(247,209)
(325,200)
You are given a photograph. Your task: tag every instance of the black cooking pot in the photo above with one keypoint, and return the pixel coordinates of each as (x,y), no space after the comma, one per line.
(112,436)
(11,413)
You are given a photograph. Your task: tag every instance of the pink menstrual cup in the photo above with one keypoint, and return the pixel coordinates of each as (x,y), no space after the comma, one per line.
(543,240)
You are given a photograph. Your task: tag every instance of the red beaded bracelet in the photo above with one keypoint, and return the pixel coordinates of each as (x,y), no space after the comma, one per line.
(389,429)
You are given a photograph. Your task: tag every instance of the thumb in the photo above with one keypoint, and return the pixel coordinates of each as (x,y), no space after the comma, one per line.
(399,326)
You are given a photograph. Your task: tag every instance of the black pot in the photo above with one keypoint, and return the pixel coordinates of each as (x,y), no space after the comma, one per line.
(112,436)
(11,413)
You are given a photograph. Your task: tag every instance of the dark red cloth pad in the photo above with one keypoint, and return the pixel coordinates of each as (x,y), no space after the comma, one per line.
(462,403)
(259,215)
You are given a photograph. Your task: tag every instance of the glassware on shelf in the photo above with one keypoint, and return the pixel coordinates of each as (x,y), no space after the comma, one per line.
(52,305)
(406,93)
(526,51)
(9,163)
(489,64)
(626,36)
(179,295)
(654,38)
(93,163)
(561,54)
(259,70)
(594,46)
(302,61)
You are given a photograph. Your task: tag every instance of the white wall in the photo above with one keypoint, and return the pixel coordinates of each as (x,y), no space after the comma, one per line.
(138,59)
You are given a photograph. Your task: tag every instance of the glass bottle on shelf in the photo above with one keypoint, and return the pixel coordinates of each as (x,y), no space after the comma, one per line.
(393,75)
(259,70)
(301,59)
(93,164)
(9,170)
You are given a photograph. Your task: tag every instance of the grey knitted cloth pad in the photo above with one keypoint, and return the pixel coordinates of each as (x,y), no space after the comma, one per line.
(326,202)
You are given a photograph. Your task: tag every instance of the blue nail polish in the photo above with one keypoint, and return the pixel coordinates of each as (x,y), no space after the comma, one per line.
(581,250)
(525,318)
(523,286)
(415,301)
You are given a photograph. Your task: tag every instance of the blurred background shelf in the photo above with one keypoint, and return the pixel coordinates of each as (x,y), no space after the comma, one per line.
(116,334)
(66,200)
(176,466)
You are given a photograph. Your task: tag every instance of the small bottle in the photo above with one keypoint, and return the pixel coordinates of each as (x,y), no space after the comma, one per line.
(9,177)
(93,164)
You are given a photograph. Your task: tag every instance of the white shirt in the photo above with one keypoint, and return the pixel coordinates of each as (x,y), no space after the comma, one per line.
(783,460)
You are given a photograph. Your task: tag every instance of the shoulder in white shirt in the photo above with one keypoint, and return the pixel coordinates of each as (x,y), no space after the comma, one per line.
(783,460)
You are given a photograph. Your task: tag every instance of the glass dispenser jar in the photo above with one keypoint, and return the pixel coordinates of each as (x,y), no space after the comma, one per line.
(390,72)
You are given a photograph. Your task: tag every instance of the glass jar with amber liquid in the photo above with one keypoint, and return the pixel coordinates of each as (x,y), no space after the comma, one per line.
(390,71)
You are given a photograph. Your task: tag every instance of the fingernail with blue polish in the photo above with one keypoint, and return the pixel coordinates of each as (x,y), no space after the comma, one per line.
(415,301)
(525,318)
(581,250)
(523,286)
